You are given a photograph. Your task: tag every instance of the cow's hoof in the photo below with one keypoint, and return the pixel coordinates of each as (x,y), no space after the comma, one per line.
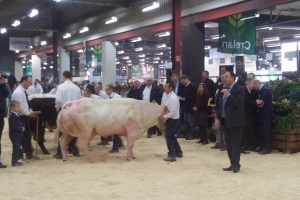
(64,160)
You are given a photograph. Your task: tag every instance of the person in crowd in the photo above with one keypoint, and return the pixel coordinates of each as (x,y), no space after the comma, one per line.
(230,112)
(150,93)
(88,93)
(209,83)
(170,100)
(189,97)
(254,92)
(15,86)
(38,88)
(11,81)
(99,91)
(21,96)
(67,91)
(131,85)
(47,88)
(30,90)
(219,81)
(251,76)
(53,90)
(135,92)
(161,89)
(265,115)
(220,136)
(118,87)
(90,87)
(200,106)
(242,80)
(249,135)
(117,142)
(126,89)
(16,129)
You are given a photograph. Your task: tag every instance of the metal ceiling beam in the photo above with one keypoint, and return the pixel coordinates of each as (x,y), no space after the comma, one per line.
(96,3)
(32,29)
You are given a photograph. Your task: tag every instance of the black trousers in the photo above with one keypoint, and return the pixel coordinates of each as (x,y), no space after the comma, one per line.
(264,125)
(71,146)
(233,137)
(16,140)
(250,133)
(26,143)
(2,115)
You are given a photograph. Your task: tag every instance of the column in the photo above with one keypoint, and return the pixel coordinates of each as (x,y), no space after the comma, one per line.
(64,63)
(36,67)
(176,25)
(193,51)
(18,70)
(109,55)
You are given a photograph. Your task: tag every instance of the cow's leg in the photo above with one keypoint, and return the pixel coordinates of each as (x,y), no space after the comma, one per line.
(130,143)
(63,142)
(82,144)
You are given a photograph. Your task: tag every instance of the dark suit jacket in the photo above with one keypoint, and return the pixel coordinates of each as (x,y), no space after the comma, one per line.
(250,104)
(3,94)
(234,108)
(202,102)
(180,93)
(190,95)
(211,86)
(154,95)
(15,125)
(266,110)
(91,87)
(134,94)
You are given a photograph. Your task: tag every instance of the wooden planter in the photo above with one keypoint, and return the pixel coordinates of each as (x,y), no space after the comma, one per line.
(287,142)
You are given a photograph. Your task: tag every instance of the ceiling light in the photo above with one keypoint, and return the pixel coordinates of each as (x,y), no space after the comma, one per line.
(117,43)
(142,63)
(23,61)
(67,35)
(163,34)
(142,56)
(142,60)
(31,47)
(215,37)
(271,39)
(136,39)
(139,49)
(117,63)
(129,64)
(211,25)
(296,36)
(44,67)
(159,54)
(57,0)
(16,23)
(111,20)
(80,51)
(51,67)
(33,13)
(125,58)
(17,51)
(156,58)
(30,60)
(276,51)
(3,30)
(45,63)
(161,45)
(251,17)
(151,6)
(156,62)
(120,52)
(274,45)
(207,47)
(73,67)
(264,28)
(85,29)
(128,61)
(24,67)
(43,42)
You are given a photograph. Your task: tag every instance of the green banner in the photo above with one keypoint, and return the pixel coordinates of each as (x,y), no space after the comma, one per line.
(135,70)
(237,34)
(28,70)
(94,57)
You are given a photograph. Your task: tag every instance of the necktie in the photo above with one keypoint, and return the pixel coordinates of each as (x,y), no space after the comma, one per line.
(27,99)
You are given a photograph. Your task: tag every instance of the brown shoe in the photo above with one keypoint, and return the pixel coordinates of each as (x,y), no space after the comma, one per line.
(224,148)
(216,146)
(228,169)
(170,159)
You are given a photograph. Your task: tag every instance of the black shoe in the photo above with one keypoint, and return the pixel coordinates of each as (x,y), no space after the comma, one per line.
(46,153)
(148,136)
(244,152)
(235,169)
(200,141)
(170,159)
(179,155)
(109,138)
(177,136)
(224,148)
(189,138)
(258,149)
(30,157)
(17,164)
(216,146)
(2,166)
(57,156)
(228,169)
(103,143)
(114,151)
(76,154)
(264,152)
(204,142)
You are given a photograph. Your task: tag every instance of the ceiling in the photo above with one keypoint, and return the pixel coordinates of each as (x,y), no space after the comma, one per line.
(66,12)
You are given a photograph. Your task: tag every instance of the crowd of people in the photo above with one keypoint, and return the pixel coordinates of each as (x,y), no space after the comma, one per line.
(240,106)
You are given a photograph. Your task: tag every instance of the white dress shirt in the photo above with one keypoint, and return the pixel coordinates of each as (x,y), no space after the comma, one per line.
(19,95)
(103,94)
(38,89)
(147,93)
(53,91)
(93,96)
(30,90)
(65,92)
(171,101)
(114,96)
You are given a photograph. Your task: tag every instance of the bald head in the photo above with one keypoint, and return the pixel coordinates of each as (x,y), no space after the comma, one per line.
(97,88)
(257,84)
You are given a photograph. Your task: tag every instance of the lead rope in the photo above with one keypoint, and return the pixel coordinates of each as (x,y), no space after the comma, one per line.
(36,135)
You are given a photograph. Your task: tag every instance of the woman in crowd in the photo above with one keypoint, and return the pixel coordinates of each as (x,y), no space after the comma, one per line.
(200,106)
(125,90)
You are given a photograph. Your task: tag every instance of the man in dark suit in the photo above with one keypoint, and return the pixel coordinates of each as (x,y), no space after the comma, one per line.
(150,93)
(190,96)
(230,113)
(135,92)
(219,81)
(249,135)
(211,86)
(90,87)
(265,115)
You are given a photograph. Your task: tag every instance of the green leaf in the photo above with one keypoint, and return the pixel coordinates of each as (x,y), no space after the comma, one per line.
(241,31)
(97,49)
(232,21)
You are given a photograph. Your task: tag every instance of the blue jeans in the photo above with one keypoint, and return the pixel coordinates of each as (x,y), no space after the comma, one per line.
(16,140)
(189,120)
(172,143)
(220,136)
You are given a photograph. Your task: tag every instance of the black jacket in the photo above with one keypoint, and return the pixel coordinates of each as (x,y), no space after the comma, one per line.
(234,107)
(91,87)
(154,95)
(15,125)
(180,92)
(190,95)
(266,110)
(202,102)
(250,104)
(3,94)
(134,94)
(211,86)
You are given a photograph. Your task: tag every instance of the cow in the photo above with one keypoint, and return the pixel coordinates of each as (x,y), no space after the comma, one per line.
(88,117)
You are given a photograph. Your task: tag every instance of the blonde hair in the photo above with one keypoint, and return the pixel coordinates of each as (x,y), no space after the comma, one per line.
(12,104)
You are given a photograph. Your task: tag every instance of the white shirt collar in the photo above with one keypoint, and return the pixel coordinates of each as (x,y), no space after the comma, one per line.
(188,84)
(261,87)
(15,113)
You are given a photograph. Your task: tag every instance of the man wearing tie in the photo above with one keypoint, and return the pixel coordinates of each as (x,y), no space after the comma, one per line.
(20,95)
(230,113)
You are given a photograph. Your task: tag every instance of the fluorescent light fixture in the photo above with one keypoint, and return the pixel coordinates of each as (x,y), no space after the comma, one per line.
(271,39)
(161,46)
(207,47)
(111,20)
(142,63)
(45,63)
(44,67)
(85,29)
(142,60)
(30,60)
(51,67)
(159,54)
(31,47)
(120,52)
(142,56)
(16,23)
(296,36)
(211,25)
(125,58)
(17,51)
(136,39)
(151,6)
(264,28)
(156,58)
(215,37)
(57,0)
(117,63)
(276,51)
(117,43)
(274,45)
(80,51)
(163,34)
(73,67)
(251,17)
(156,62)
(128,61)
(33,13)
(129,64)
(3,30)
(139,49)
(23,61)
(24,67)
(67,35)
(43,43)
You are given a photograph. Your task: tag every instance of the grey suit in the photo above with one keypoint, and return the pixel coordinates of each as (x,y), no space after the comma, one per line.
(233,122)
